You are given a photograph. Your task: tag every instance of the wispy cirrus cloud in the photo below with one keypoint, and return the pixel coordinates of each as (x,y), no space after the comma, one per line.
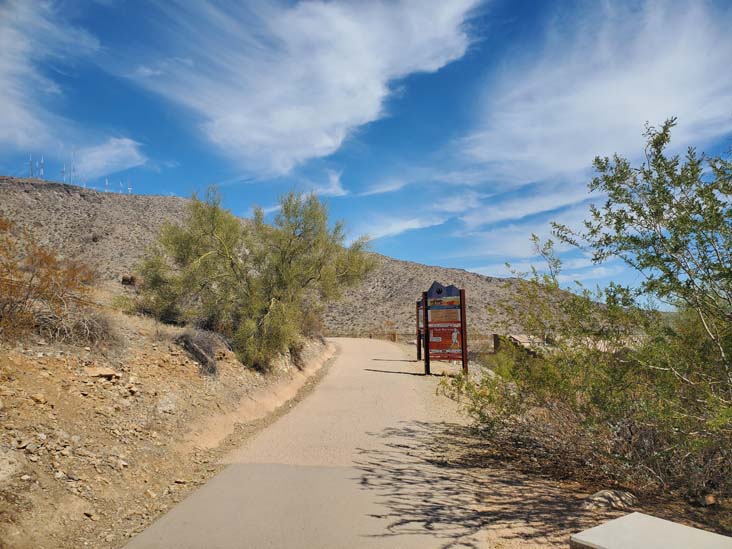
(114,155)
(33,37)
(585,90)
(333,187)
(389,185)
(275,85)
(31,34)
(528,201)
(588,89)
(385,226)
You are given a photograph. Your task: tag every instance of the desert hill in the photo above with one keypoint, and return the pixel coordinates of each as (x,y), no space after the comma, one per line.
(111,231)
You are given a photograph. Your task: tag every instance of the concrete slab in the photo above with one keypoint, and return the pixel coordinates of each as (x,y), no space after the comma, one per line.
(639,531)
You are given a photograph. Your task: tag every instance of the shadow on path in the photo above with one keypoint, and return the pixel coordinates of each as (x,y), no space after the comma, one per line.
(393,372)
(433,477)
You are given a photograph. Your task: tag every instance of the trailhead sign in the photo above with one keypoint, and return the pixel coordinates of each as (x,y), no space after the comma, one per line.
(444,320)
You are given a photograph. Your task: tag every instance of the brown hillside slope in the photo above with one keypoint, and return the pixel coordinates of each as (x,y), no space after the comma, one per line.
(112,231)
(386,300)
(108,230)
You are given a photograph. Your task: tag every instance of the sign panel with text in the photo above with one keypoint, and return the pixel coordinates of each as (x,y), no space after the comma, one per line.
(445,322)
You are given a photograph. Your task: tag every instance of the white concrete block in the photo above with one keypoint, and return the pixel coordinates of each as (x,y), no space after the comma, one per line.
(639,531)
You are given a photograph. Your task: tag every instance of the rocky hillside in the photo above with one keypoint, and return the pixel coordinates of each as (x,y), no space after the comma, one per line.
(385,302)
(112,231)
(108,230)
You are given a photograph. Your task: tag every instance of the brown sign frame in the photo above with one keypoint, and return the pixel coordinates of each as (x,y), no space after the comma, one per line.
(423,335)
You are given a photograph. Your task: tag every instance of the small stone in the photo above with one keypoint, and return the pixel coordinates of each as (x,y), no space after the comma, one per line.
(109,537)
(33,458)
(25,477)
(106,373)
(38,398)
(151,494)
(58,475)
(180,481)
(92,516)
(708,500)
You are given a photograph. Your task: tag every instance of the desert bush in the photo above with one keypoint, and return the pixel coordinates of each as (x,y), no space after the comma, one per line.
(44,294)
(257,284)
(643,397)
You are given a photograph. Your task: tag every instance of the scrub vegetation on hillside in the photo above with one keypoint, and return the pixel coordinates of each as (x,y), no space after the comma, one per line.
(614,390)
(44,294)
(263,287)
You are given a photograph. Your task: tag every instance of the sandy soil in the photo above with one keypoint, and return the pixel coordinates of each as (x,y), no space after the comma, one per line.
(97,443)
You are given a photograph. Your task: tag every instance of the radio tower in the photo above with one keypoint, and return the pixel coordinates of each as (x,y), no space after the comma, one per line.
(129,187)
(106,184)
(63,172)
(41,174)
(30,166)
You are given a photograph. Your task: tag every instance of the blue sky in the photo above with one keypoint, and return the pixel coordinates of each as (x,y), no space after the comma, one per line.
(448,131)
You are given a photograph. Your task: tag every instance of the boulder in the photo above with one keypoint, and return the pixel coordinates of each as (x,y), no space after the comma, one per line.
(610,499)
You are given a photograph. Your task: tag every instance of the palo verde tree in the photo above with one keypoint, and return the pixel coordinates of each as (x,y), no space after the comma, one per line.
(259,285)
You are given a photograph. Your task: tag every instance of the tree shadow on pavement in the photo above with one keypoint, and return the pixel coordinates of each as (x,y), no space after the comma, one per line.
(440,478)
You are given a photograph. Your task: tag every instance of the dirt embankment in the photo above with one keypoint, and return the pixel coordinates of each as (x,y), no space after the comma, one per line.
(96,443)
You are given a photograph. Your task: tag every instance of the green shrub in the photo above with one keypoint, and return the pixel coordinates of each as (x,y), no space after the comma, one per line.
(643,397)
(254,283)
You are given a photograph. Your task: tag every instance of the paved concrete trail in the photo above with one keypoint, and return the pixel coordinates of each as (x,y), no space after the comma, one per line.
(345,468)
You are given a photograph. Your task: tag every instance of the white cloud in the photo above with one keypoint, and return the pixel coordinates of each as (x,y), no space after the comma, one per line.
(514,240)
(588,90)
(334,187)
(595,273)
(526,202)
(391,226)
(458,201)
(114,155)
(388,186)
(276,85)
(32,33)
